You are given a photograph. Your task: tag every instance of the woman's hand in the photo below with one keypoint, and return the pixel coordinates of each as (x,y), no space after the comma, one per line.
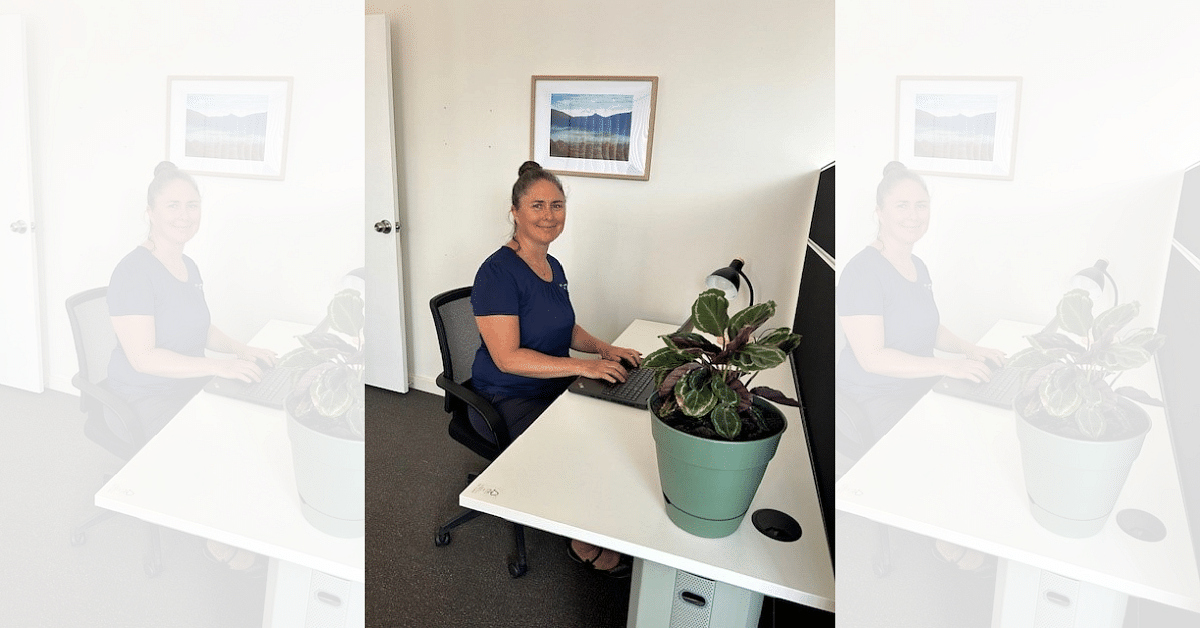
(245,370)
(617,354)
(607,370)
(984,354)
(974,370)
(255,354)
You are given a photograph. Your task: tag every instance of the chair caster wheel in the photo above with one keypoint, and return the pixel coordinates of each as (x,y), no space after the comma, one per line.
(78,538)
(516,570)
(441,539)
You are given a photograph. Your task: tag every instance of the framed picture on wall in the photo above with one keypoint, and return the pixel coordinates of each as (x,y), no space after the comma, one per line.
(594,126)
(228,126)
(958,126)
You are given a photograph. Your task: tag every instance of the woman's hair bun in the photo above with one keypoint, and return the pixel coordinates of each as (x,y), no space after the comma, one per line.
(527,166)
(164,166)
(894,167)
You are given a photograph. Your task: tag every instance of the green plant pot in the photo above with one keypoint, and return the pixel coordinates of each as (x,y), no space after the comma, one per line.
(1073,484)
(330,479)
(708,484)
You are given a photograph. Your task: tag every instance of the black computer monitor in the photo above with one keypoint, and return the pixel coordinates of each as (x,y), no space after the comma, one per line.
(812,360)
(1178,360)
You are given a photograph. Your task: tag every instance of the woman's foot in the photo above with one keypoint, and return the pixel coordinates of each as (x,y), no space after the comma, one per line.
(235,558)
(964,559)
(605,561)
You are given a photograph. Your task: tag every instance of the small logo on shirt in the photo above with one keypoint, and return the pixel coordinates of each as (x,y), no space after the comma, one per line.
(563,285)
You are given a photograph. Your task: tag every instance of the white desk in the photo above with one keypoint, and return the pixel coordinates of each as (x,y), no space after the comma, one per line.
(222,470)
(587,470)
(951,469)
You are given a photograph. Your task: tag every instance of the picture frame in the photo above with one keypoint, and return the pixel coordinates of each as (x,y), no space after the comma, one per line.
(593,126)
(229,126)
(958,126)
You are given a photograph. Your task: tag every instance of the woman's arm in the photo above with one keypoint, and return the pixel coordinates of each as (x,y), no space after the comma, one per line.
(948,341)
(502,335)
(582,341)
(220,341)
(865,334)
(137,338)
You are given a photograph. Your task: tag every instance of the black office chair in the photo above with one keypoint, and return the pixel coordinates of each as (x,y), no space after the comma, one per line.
(458,338)
(94,344)
(854,437)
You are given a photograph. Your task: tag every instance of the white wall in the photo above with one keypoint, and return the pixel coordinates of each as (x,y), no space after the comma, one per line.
(98,83)
(744,122)
(1107,125)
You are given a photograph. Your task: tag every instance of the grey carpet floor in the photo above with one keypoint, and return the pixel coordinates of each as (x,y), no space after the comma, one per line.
(415,472)
(49,473)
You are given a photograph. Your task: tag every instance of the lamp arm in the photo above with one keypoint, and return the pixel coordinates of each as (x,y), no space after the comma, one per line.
(751,286)
(1116,301)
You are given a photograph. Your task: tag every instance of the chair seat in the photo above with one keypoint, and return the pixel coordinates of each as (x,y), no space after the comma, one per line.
(461,430)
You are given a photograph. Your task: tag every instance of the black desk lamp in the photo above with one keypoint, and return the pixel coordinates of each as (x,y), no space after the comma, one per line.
(1092,280)
(727,280)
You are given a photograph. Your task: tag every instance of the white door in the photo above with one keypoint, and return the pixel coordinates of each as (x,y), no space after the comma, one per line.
(20,344)
(387,359)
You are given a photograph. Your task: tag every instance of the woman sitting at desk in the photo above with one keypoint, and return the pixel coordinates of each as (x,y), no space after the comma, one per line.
(156,301)
(528,326)
(886,309)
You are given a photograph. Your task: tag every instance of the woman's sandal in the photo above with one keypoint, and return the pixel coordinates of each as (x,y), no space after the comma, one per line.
(623,568)
(971,561)
(257,568)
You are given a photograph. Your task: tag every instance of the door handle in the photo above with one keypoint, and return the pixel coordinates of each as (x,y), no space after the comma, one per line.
(20,227)
(383,226)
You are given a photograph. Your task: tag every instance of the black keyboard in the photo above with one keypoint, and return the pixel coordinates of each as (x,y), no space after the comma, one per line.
(633,387)
(998,391)
(272,390)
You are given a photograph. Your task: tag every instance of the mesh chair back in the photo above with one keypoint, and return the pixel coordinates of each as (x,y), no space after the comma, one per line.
(93,332)
(458,335)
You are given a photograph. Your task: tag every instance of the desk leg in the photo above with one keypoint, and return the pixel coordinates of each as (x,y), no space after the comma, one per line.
(662,596)
(298,596)
(1028,596)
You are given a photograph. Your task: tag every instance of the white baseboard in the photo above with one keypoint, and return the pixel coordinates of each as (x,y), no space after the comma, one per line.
(427,384)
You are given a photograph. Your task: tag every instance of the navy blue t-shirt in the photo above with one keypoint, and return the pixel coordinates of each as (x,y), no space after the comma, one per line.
(870,285)
(506,285)
(141,285)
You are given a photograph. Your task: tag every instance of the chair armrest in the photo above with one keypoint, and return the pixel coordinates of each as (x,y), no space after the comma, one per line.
(468,396)
(114,403)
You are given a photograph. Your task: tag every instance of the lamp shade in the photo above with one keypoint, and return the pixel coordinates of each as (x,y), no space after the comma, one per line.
(728,280)
(1091,279)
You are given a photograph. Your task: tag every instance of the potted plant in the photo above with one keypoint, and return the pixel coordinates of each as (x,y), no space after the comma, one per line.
(1079,434)
(326,419)
(714,434)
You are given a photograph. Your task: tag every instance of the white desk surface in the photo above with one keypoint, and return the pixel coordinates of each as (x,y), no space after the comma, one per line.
(222,470)
(951,469)
(587,470)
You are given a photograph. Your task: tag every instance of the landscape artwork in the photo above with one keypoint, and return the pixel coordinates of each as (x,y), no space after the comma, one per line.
(958,126)
(226,126)
(955,126)
(591,126)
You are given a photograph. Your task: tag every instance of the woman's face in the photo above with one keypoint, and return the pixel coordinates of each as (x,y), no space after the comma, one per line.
(904,215)
(542,213)
(175,214)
